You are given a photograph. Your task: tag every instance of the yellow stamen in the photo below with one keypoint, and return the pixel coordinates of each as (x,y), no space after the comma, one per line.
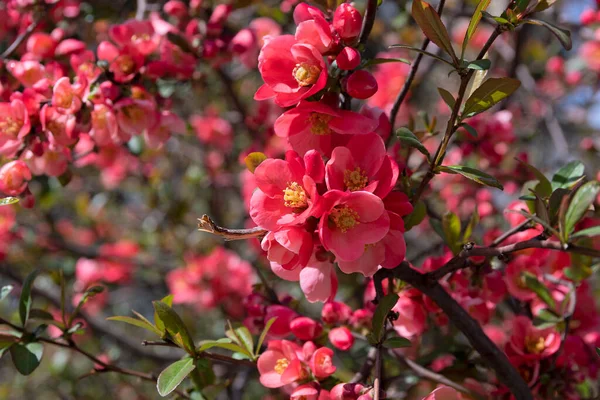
(344,218)
(319,124)
(294,196)
(10,126)
(355,179)
(535,345)
(281,365)
(306,74)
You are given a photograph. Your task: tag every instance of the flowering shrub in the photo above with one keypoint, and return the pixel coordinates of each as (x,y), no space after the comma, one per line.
(377,253)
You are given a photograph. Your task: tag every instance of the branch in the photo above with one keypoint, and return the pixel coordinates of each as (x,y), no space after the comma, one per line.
(19,39)
(409,79)
(519,228)
(206,224)
(366,368)
(491,354)
(141,9)
(368,21)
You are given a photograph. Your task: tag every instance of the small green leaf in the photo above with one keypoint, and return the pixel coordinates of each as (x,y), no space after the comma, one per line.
(546,318)
(544,187)
(136,322)
(473,221)
(447,97)
(5,291)
(26,356)
(173,375)
(253,160)
(405,136)
(396,342)
(475,19)
(416,217)
(168,300)
(264,333)
(377,61)
(384,306)
(472,131)
(451,227)
(532,283)
(8,200)
(582,200)
(224,343)
(588,232)
(568,176)
(544,5)
(490,93)
(473,174)
(26,301)
(244,337)
(563,35)
(174,325)
(479,65)
(541,210)
(433,27)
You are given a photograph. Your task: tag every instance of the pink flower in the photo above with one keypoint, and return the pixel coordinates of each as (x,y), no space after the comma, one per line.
(305,392)
(41,44)
(66,98)
(361,84)
(311,125)
(318,280)
(352,220)
(135,34)
(590,53)
(533,343)
(14,121)
(59,127)
(53,161)
(105,129)
(350,391)
(514,276)
(444,393)
(29,73)
(213,130)
(284,315)
(305,328)
(341,338)
(135,116)
(291,71)
(321,363)
(287,193)
(316,32)
(412,318)
(13,178)
(289,247)
(334,312)
(123,63)
(280,364)
(362,165)
(348,59)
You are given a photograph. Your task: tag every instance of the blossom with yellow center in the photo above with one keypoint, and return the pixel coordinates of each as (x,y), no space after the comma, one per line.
(319,124)
(535,345)
(344,218)
(355,179)
(10,126)
(294,196)
(126,64)
(306,74)
(281,365)
(140,38)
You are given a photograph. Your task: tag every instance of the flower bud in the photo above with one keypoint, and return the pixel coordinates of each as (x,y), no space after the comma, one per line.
(281,326)
(321,363)
(175,8)
(347,22)
(305,328)
(361,318)
(587,17)
(361,84)
(348,59)
(304,12)
(13,177)
(335,312)
(243,41)
(341,338)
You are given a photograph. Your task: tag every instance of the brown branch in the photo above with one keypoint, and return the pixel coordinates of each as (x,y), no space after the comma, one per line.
(490,353)
(19,39)
(206,224)
(409,80)
(364,372)
(519,228)
(368,21)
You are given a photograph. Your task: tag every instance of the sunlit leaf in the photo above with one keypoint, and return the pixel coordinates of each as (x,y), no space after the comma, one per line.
(173,375)
(473,174)
(433,27)
(254,159)
(490,93)
(580,203)
(474,22)
(568,176)
(264,333)
(26,356)
(532,283)
(136,322)
(8,200)
(416,216)
(174,325)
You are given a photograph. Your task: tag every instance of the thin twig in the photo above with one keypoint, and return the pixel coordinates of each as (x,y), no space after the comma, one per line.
(519,228)
(368,21)
(364,372)
(206,224)
(18,40)
(140,10)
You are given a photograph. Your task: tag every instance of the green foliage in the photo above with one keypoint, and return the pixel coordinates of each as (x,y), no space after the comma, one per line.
(416,216)
(563,35)
(5,291)
(447,97)
(175,326)
(396,342)
(451,228)
(473,174)
(8,200)
(582,200)
(173,375)
(384,307)
(533,284)
(408,138)
(473,23)
(26,356)
(490,93)
(433,27)
(26,300)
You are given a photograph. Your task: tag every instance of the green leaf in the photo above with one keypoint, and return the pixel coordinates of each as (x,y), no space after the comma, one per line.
(546,318)
(426,53)
(224,343)
(473,174)
(490,93)
(598,351)
(26,301)
(254,159)
(433,27)
(5,291)
(264,333)
(416,216)
(563,35)
(396,342)
(473,221)
(244,338)
(168,300)
(532,283)
(384,306)
(377,61)
(174,325)
(521,5)
(26,356)
(8,200)
(472,131)
(475,19)
(544,186)
(136,322)
(447,97)
(544,5)
(541,210)
(173,375)
(451,227)
(568,175)
(588,232)
(582,200)
(479,65)
(405,136)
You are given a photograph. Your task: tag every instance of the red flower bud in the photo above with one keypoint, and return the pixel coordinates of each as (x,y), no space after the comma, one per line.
(281,326)
(341,338)
(587,17)
(243,41)
(335,312)
(304,12)
(305,328)
(361,85)
(348,59)
(13,177)
(175,8)
(347,22)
